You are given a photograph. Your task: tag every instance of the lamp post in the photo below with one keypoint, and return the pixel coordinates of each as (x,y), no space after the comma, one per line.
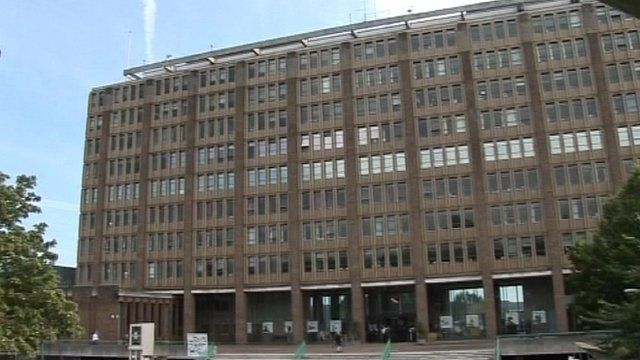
(116,317)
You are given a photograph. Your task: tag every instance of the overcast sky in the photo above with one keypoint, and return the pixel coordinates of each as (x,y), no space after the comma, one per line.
(54,52)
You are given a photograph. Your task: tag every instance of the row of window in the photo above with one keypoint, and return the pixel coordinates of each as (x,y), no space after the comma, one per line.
(268,264)
(218,100)
(559,21)
(169,213)
(448,187)
(569,79)
(323,199)
(438,96)
(629,135)
(267,147)
(318,59)
(623,72)
(120,118)
(577,174)
(117,218)
(324,112)
(509,214)
(500,59)
(119,244)
(377,76)
(85,246)
(263,176)
(442,125)
(608,15)
(625,103)
(216,127)
(621,41)
(118,271)
(519,247)
(580,208)
(158,270)
(323,170)
(501,88)
(429,69)
(576,109)
(168,134)
(168,160)
(497,30)
(165,241)
(376,164)
(513,180)
(118,192)
(387,257)
(267,93)
(171,109)
(223,267)
(328,140)
(320,260)
(378,49)
(92,147)
(567,49)
(125,93)
(220,76)
(266,120)
(380,104)
(269,204)
(220,181)
(263,234)
(126,141)
(390,193)
(578,237)
(509,117)
(463,251)
(329,229)
(433,40)
(166,187)
(320,85)
(267,67)
(89,196)
(388,225)
(508,149)
(172,84)
(215,209)
(444,156)
(215,154)
(461,218)
(218,237)
(567,143)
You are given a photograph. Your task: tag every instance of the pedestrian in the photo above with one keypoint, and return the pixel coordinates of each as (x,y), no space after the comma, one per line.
(95,338)
(337,337)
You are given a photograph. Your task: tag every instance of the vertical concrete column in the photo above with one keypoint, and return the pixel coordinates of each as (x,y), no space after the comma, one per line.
(353,221)
(480,207)
(96,274)
(166,319)
(413,179)
(239,214)
(141,233)
(545,168)
(605,113)
(293,168)
(189,311)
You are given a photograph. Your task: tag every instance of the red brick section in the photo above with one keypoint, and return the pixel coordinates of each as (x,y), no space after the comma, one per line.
(239,211)
(480,208)
(353,222)
(413,181)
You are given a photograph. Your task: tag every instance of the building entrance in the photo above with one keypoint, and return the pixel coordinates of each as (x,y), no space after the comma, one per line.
(390,313)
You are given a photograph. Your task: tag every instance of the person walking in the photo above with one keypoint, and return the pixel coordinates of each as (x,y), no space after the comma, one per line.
(337,337)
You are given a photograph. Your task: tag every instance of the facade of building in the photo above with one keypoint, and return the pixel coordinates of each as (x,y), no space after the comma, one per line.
(423,174)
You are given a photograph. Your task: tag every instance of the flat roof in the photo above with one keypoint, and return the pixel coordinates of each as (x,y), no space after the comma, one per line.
(303,39)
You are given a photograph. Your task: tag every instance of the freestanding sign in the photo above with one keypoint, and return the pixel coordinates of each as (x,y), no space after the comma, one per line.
(197,345)
(141,340)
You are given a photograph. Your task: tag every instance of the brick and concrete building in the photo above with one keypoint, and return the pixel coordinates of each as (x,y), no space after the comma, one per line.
(421,172)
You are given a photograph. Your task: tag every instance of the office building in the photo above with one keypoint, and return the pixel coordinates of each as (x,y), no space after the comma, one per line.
(424,173)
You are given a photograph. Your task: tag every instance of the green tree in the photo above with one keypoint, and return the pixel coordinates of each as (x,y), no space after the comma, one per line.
(607,276)
(32,307)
